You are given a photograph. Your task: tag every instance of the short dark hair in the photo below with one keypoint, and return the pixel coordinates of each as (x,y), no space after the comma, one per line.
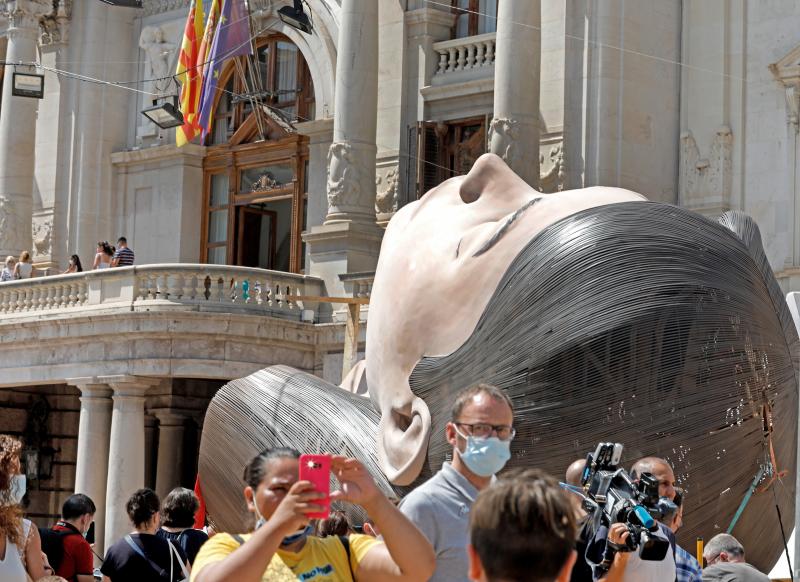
(122,239)
(142,506)
(77,506)
(523,528)
(179,508)
(257,467)
(465,396)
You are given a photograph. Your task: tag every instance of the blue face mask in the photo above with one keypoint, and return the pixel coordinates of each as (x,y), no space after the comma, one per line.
(304,533)
(485,456)
(17,489)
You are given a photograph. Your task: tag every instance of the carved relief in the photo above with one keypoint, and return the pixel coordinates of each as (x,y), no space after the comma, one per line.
(159,55)
(552,180)
(386,197)
(343,185)
(55,26)
(11,226)
(158,6)
(42,232)
(703,178)
(266,181)
(503,135)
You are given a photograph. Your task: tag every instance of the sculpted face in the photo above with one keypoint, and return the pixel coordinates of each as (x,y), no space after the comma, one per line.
(441,259)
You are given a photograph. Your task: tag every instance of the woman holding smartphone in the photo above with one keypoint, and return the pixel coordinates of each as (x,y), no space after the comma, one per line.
(282,546)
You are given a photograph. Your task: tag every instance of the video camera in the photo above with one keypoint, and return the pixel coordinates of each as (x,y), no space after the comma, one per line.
(612,496)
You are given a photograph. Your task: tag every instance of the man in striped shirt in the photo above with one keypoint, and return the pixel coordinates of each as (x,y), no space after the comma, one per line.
(124,255)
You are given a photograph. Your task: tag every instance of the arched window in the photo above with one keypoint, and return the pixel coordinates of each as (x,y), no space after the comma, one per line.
(255,186)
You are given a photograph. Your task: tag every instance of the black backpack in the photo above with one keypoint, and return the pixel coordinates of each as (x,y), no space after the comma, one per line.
(53,544)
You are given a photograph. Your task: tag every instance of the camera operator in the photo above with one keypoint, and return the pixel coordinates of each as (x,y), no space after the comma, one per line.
(623,541)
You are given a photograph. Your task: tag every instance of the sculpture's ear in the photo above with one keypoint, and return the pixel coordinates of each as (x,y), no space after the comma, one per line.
(490,173)
(403,441)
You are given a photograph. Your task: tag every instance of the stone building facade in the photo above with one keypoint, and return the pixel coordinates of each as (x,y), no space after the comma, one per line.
(692,102)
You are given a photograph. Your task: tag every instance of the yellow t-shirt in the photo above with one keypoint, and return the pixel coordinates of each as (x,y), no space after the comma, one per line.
(320,560)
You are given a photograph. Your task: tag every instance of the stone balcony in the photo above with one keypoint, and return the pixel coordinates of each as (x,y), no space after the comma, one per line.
(464,59)
(176,320)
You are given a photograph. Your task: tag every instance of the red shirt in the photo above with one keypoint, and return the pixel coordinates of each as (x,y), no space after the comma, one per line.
(78,558)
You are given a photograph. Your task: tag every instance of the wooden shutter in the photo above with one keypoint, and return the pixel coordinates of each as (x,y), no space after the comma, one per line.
(429,156)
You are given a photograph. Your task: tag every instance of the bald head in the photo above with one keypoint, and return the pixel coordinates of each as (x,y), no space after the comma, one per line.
(661,470)
(575,472)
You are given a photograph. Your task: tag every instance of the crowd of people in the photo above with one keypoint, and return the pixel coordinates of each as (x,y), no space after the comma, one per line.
(463,524)
(106,256)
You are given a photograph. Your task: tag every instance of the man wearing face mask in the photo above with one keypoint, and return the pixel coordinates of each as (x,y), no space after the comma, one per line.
(480,430)
(65,545)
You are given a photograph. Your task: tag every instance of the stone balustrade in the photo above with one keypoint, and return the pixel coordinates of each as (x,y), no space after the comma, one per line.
(464,54)
(193,287)
(359,285)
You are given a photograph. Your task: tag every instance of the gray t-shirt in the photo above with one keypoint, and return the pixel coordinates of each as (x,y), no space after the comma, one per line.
(733,572)
(440,509)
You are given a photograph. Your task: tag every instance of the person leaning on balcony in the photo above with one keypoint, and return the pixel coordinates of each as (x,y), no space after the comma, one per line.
(102,259)
(7,273)
(74,265)
(24,268)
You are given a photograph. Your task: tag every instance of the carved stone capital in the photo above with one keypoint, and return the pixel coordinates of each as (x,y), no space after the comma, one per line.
(24,15)
(55,26)
(503,137)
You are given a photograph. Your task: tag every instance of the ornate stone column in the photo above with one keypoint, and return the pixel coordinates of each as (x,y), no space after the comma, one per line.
(170,449)
(349,239)
(514,131)
(91,471)
(17,128)
(126,453)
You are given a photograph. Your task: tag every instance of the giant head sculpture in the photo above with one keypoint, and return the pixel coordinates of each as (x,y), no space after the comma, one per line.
(603,316)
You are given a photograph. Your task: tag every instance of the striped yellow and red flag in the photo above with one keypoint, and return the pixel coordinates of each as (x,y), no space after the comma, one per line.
(190,73)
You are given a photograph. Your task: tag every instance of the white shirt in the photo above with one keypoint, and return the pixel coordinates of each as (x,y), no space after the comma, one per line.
(11,567)
(24,270)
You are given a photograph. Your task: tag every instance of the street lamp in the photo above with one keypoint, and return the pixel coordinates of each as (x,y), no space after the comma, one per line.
(296,17)
(165,115)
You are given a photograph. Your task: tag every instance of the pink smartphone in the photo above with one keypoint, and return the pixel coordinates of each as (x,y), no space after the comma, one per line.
(317,470)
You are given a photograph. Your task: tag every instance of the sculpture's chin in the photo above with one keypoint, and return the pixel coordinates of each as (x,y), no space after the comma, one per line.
(403,442)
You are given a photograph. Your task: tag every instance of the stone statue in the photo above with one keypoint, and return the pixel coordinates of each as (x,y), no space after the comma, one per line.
(603,316)
(159,56)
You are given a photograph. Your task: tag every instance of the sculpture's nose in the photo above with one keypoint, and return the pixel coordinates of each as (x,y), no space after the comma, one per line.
(490,177)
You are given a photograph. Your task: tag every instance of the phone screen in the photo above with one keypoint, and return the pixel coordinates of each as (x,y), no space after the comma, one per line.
(317,470)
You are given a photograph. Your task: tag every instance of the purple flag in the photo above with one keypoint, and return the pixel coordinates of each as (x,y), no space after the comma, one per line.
(232,38)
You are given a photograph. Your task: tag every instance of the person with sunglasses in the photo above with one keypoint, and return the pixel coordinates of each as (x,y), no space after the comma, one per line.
(480,432)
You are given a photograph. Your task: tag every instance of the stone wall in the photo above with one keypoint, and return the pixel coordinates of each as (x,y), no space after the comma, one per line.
(46,497)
